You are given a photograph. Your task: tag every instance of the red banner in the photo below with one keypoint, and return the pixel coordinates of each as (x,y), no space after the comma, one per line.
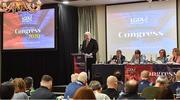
(76,67)
(134,71)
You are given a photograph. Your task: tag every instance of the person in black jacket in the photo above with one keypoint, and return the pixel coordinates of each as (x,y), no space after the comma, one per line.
(7,90)
(29,85)
(44,91)
(89,47)
(118,58)
(112,84)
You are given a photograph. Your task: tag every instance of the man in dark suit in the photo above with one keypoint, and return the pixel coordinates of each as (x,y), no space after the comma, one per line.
(44,92)
(90,47)
(118,58)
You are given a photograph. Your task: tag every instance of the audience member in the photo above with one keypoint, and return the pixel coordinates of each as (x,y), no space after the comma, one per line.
(72,87)
(131,89)
(7,90)
(118,58)
(29,85)
(44,91)
(176,56)
(143,83)
(97,89)
(176,84)
(119,76)
(159,90)
(162,56)
(74,77)
(20,88)
(138,58)
(111,90)
(84,93)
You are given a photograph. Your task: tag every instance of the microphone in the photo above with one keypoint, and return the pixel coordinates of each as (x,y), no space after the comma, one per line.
(168,57)
(80,48)
(80,45)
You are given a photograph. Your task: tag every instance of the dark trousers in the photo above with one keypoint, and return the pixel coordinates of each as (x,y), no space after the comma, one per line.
(89,63)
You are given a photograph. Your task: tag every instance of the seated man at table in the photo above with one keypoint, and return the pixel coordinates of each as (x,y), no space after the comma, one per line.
(118,58)
(138,58)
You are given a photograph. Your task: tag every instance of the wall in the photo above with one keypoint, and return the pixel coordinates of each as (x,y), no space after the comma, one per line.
(178,23)
(101,33)
(0,46)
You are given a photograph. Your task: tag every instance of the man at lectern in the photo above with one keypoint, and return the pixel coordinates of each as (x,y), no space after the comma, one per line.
(89,47)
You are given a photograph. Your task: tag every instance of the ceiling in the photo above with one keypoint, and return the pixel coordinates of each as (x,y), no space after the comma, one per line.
(80,3)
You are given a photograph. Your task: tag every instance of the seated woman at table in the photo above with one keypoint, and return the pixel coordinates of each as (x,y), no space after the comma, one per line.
(162,57)
(118,58)
(175,56)
(138,58)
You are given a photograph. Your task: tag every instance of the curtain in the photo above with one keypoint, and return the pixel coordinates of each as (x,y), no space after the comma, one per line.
(87,21)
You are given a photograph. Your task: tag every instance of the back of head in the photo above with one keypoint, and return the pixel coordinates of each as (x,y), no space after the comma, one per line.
(29,82)
(84,93)
(162,80)
(145,75)
(95,85)
(74,77)
(118,75)
(131,86)
(19,84)
(82,77)
(112,82)
(7,90)
(178,75)
(46,81)
(46,78)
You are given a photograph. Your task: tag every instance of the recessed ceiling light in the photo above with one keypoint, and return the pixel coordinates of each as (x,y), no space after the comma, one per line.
(65,2)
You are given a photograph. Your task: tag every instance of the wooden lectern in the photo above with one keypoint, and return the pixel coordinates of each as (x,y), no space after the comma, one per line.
(80,60)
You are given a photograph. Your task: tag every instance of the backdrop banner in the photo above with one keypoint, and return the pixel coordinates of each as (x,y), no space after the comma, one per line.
(134,71)
(100,72)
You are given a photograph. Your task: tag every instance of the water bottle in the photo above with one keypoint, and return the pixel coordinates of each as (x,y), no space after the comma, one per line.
(100,62)
(68,98)
(178,92)
(151,61)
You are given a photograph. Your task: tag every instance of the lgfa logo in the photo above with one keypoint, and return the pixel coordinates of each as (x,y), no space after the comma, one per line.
(26,17)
